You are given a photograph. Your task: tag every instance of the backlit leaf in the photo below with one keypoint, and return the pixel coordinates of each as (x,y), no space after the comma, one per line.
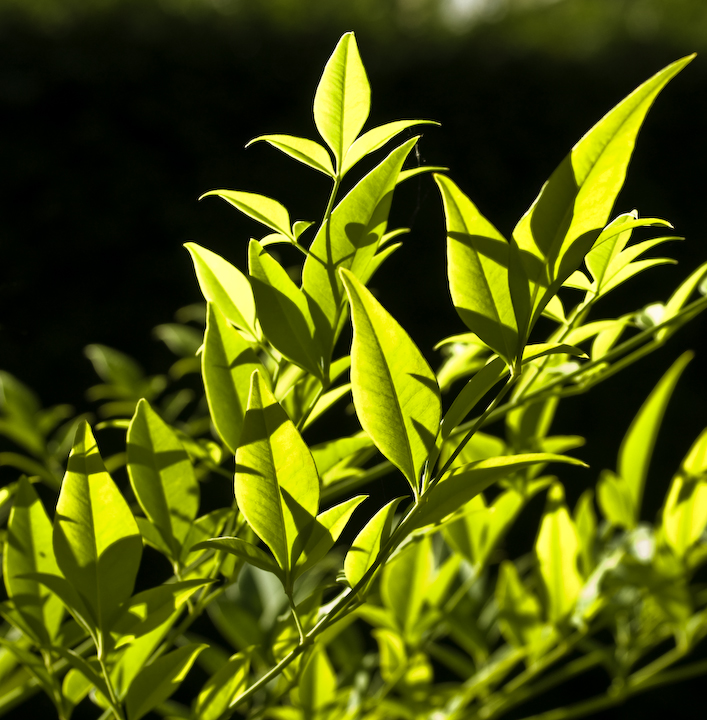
(222,688)
(242,549)
(306,151)
(263,209)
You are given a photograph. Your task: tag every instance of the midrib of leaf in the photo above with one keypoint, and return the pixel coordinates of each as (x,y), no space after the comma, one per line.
(340,159)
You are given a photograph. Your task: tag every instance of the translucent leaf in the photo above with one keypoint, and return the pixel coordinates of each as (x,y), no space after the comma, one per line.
(680,297)
(96,539)
(519,612)
(585,522)
(343,98)
(242,549)
(162,476)
(306,151)
(616,500)
(557,549)
(317,683)
(276,484)
(263,209)
(478,258)
(365,548)
(395,391)
(28,549)
(159,680)
(393,658)
(226,286)
(227,363)
(222,688)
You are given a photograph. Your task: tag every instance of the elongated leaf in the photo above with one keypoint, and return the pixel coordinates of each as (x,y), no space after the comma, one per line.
(317,683)
(520,617)
(395,391)
(226,365)
(460,485)
(276,484)
(343,98)
(557,549)
(678,299)
(585,522)
(159,680)
(478,259)
(368,543)
(283,311)
(96,539)
(242,549)
(162,477)
(616,501)
(226,286)
(28,549)
(375,138)
(574,205)
(306,151)
(222,688)
(350,239)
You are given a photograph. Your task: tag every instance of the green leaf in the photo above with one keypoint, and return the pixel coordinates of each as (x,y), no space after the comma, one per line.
(519,612)
(350,239)
(574,204)
(227,363)
(276,484)
(678,299)
(460,485)
(317,682)
(222,688)
(478,259)
(162,477)
(96,539)
(226,286)
(375,138)
(28,549)
(585,522)
(306,151)
(615,499)
(242,549)
(365,548)
(557,550)
(158,680)
(343,98)
(263,209)
(283,311)
(395,391)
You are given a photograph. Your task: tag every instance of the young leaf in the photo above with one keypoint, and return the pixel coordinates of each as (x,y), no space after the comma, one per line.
(226,286)
(283,311)
(368,543)
(222,688)
(394,389)
(158,680)
(28,549)
(478,259)
(574,204)
(265,210)
(276,484)
(306,151)
(343,98)
(557,551)
(96,539)
(162,477)
(226,365)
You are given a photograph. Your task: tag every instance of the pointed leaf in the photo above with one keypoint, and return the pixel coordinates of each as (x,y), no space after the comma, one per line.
(222,688)
(394,389)
(162,476)
(616,500)
(317,683)
(520,618)
(226,286)
(96,539)
(276,484)
(158,680)
(306,151)
(343,98)
(242,549)
(263,209)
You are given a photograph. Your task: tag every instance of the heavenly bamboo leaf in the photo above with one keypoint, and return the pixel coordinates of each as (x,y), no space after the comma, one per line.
(395,391)
(478,259)
(557,550)
(242,549)
(28,549)
(96,539)
(162,476)
(368,543)
(263,209)
(159,680)
(343,98)
(460,485)
(222,688)
(283,311)
(276,483)
(350,239)
(226,286)
(573,206)
(227,363)
(306,151)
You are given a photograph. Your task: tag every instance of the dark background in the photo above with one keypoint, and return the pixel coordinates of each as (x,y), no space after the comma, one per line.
(116,116)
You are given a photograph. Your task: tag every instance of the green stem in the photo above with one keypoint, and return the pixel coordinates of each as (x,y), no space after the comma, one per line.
(112,697)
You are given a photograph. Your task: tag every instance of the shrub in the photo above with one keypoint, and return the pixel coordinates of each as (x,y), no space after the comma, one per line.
(334,607)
